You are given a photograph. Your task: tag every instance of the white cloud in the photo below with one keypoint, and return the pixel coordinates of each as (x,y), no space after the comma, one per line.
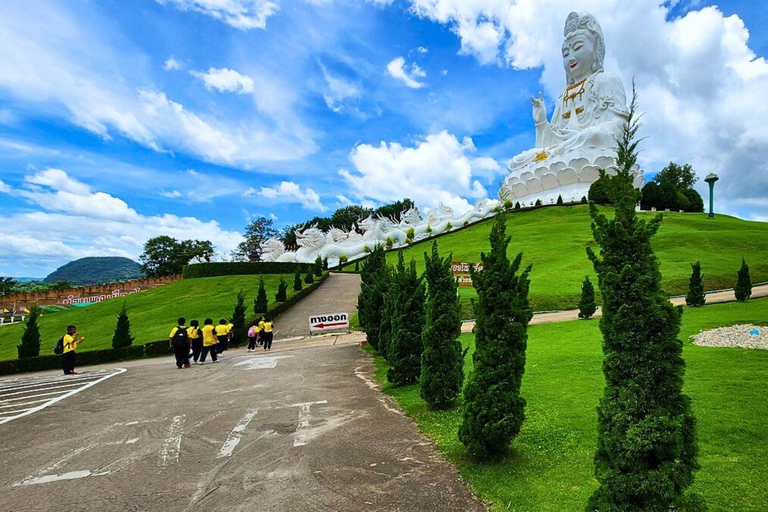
(396,69)
(437,169)
(4,188)
(240,14)
(225,80)
(337,90)
(172,64)
(173,194)
(290,192)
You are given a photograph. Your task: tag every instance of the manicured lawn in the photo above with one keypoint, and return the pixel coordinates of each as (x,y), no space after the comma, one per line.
(553,239)
(153,313)
(551,463)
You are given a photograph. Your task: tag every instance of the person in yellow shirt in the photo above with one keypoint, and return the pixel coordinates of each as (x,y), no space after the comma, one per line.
(179,341)
(231,334)
(71,340)
(222,335)
(268,333)
(196,339)
(261,331)
(209,341)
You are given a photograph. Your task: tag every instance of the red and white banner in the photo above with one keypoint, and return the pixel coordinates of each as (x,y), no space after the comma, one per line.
(328,322)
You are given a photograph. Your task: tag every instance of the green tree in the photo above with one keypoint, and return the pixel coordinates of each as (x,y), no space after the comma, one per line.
(584,200)
(30,339)
(261,303)
(597,190)
(587,304)
(240,332)
(297,280)
(122,337)
(494,411)
(695,201)
(7,285)
(357,265)
(743,288)
(256,233)
(646,447)
(282,291)
(559,200)
(165,256)
(309,278)
(60,285)
(342,260)
(695,295)
(538,202)
(318,267)
(373,288)
(391,308)
(680,177)
(442,360)
(517,205)
(405,346)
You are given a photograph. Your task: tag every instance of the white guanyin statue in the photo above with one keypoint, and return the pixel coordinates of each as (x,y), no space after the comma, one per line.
(581,138)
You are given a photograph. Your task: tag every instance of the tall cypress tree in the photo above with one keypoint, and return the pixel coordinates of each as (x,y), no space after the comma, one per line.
(587,304)
(282,291)
(238,319)
(260,303)
(318,267)
(391,309)
(405,347)
(297,280)
(122,337)
(743,288)
(494,411)
(695,295)
(442,361)
(646,448)
(30,340)
(373,288)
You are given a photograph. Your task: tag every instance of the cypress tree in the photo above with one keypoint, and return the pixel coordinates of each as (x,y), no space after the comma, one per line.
(373,288)
(559,200)
(646,447)
(260,303)
(122,337)
(238,319)
(297,280)
(494,411)
(309,278)
(695,295)
(391,307)
(405,347)
(442,361)
(30,339)
(587,304)
(538,202)
(282,291)
(584,200)
(517,205)
(743,288)
(357,265)
(325,265)
(318,268)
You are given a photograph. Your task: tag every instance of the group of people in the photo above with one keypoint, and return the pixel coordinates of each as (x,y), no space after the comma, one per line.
(213,340)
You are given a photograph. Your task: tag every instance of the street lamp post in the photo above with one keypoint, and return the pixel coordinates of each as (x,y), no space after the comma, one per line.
(711,179)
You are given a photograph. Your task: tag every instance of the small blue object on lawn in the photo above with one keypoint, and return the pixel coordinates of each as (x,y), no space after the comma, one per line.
(754,332)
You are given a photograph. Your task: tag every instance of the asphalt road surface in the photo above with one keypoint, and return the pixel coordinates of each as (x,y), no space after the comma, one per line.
(300,429)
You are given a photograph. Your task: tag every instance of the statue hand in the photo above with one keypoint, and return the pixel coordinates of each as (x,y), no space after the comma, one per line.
(539,110)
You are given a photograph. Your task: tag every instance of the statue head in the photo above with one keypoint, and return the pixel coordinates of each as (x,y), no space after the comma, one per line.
(583,47)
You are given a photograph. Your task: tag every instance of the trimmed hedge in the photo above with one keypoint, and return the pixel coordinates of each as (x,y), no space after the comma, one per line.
(241,268)
(86,358)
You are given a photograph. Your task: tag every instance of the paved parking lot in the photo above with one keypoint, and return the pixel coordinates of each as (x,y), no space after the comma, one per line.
(288,430)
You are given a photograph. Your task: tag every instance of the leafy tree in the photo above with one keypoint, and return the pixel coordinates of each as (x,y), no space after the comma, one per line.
(494,411)
(650,196)
(391,308)
(679,176)
(61,284)
(297,280)
(695,201)
(597,190)
(559,200)
(405,346)
(442,360)
(587,304)
(646,448)
(122,337)
(7,285)
(238,318)
(395,210)
(260,303)
(346,217)
(318,268)
(165,256)
(695,295)
(282,291)
(30,339)
(256,233)
(373,288)
(743,288)
(309,278)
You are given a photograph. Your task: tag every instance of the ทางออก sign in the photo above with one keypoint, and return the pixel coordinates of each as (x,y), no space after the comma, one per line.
(328,322)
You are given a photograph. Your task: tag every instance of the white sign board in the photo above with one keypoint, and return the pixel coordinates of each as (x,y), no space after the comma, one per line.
(328,322)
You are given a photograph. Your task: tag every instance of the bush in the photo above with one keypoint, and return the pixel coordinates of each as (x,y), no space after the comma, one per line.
(30,339)
(597,190)
(517,205)
(587,304)
(297,281)
(410,234)
(494,411)
(282,291)
(448,226)
(743,288)
(538,202)
(429,229)
(260,303)
(389,243)
(584,200)
(442,360)
(405,347)
(309,278)
(240,268)
(695,295)
(559,200)
(508,205)
(85,358)
(122,337)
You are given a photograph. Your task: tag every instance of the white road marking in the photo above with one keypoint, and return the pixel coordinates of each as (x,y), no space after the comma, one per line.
(172,445)
(304,415)
(72,475)
(261,363)
(234,437)
(45,387)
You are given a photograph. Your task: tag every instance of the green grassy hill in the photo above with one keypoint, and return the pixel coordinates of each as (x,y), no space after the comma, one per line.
(554,239)
(153,313)
(95,270)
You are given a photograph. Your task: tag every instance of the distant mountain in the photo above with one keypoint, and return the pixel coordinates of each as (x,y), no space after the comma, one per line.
(96,270)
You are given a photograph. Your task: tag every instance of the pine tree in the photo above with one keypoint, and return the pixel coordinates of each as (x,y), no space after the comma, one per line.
(370,301)
(442,361)
(325,265)
(559,200)
(538,202)
(318,268)
(282,291)
(238,318)
(405,346)
(587,304)
(309,278)
(646,448)
(391,308)
(584,200)
(357,265)
(260,303)
(517,205)
(494,411)
(297,280)
(30,339)
(695,295)
(122,337)
(743,288)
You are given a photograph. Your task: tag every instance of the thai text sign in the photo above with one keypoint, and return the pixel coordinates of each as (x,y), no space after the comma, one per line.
(328,322)
(460,269)
(71,299)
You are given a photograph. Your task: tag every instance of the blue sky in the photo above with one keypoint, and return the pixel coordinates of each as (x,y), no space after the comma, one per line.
(125,120)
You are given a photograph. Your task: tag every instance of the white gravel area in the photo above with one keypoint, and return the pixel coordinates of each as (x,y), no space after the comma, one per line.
(742,336)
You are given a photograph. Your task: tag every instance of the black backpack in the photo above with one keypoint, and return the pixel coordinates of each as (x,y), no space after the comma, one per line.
(58,348)
(181,338)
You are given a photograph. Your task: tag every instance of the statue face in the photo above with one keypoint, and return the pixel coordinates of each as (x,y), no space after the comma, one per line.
(578,56)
